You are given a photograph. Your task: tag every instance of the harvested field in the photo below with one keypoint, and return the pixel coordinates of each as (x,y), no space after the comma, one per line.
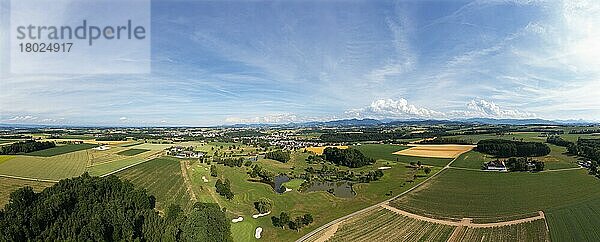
(132,152)
(436,151)
(61,149)
(52,168)
(319,149)
(383,225)
(9,185)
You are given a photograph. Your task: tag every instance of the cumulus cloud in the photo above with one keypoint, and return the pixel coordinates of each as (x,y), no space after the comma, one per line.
(488,109)
(390,108)
(25,119)
(400,108)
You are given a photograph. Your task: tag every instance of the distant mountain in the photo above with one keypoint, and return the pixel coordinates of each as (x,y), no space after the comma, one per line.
(512,121)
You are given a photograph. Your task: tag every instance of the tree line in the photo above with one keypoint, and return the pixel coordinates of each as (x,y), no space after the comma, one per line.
(523,164)
(295,224)
(107,209)
(25,147)
(112,138)
(224,188)
(509,148)
(588,148)
(278,155)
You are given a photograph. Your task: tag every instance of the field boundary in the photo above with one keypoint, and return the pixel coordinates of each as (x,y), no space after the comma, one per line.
(29,178)
(132,165)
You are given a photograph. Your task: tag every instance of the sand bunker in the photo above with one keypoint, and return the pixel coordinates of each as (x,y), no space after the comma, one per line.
(436,151)
(384,167)
(261,214)
(239,219)
(258,232)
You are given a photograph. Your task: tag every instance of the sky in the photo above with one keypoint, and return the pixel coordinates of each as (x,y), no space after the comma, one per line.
(226,62)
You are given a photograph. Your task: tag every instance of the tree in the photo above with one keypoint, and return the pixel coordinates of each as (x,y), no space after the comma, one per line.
(350,157)
(263,205)
(213,171)
(278,155)
(427,170)
(307,219)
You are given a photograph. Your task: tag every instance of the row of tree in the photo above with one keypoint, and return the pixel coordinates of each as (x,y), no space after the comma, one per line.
(25,147)
(112,138)
(278,155)
(296,223)
(358,136)
(510,148)
(105,209)
(347,157)
(231,162)
(446,140)
(588,148)
(557,140)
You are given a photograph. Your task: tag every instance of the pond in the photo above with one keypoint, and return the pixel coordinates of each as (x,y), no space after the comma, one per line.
(339,189)
(277,181)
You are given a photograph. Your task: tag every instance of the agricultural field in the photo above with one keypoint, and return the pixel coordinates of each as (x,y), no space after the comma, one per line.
(51,168)
(435,151)
(383,225)
(9,185)
(472,160)
(380,151)
(456,194)
(61,149)
(162,177)
(575,222)
(530,231)
(132,152)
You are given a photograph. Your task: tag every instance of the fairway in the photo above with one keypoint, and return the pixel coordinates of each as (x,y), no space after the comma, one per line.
(162,178)
(457,194)
(435,151)
(61,149)
(132,152)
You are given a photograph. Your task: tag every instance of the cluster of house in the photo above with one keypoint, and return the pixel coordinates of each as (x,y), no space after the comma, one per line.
(184,152)
(495,165)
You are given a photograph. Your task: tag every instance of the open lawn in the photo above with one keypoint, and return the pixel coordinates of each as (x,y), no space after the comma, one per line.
(430,161)
(61,149)
(383,225)
(435,151)
(51,168)
(492,196)
(530,231)
(132,152)
(9,185)
(322,205)
(162,178)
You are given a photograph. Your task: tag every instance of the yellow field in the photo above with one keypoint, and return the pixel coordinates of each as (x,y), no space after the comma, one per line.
(319,149)
(435,151)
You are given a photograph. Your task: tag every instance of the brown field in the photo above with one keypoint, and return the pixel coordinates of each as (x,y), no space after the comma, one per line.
(319,150)
(435,151)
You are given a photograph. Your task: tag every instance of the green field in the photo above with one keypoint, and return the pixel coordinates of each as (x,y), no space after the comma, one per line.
(52,168)
(530,231)
(492,196)
(132,152)
(440,162)
(9,185)
(471,160)
(383,152)
(575,222)
(293,184)
(61,149)
(383,225)
(4,158)
(162,178)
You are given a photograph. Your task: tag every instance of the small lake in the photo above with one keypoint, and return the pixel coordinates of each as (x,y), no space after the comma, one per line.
(340,189)
(277,181)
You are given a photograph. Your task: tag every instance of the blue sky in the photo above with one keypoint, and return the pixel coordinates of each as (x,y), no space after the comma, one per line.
(276,62)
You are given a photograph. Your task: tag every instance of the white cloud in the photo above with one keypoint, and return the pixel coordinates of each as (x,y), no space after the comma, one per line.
(389,108)
(488,109)
(270,118)
(23,118)
(123,119)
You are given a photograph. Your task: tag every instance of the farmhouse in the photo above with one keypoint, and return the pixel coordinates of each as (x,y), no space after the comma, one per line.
(495,165)
(184,152)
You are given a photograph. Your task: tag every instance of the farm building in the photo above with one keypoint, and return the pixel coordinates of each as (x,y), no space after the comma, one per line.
(495,165)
